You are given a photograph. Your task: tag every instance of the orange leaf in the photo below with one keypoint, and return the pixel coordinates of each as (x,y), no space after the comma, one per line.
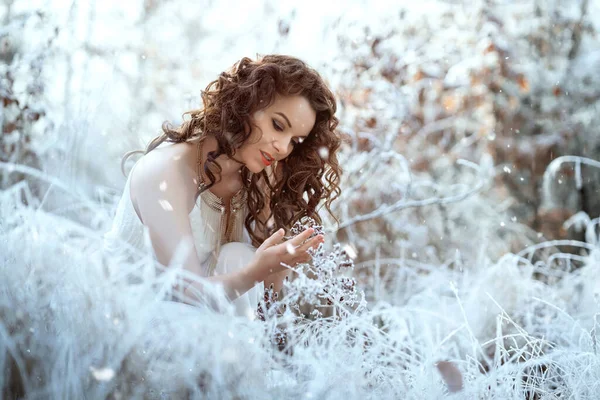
(523,84)
(557,91)
(419,75)
(489,49)
(449,103)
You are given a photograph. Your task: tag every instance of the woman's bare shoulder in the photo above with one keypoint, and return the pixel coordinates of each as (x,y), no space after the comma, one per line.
(165,169)
(179,156)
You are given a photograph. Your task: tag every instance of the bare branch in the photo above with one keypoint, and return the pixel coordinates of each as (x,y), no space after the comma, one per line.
(403,203)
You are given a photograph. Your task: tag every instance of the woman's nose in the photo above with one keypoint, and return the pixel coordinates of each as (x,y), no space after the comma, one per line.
(281,145)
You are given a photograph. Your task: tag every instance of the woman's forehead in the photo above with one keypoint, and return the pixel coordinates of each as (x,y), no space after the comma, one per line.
(295,111)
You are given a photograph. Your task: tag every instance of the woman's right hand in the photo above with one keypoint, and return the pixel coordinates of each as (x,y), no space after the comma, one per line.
(270,256)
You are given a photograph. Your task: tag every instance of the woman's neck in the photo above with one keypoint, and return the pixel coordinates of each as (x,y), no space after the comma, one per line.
(230,169)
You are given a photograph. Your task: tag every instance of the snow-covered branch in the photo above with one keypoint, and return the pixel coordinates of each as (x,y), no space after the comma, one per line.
(407,203)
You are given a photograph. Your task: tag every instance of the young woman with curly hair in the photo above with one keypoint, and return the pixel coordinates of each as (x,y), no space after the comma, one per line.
(226,185)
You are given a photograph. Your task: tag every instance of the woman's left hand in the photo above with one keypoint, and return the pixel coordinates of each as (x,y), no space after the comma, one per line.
(272,253)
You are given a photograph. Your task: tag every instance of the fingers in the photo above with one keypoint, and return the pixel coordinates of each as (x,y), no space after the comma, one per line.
(295,249)
(312,243)
(298,240)
(273,239)
(300,254)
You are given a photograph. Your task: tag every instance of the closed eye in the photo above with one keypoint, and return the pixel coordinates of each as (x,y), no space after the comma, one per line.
(277,126)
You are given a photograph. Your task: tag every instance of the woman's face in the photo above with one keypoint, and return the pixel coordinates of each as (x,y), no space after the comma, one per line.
(281,126)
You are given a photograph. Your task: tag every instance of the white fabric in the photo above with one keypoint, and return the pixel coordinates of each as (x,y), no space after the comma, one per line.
(232,257)
(127,228)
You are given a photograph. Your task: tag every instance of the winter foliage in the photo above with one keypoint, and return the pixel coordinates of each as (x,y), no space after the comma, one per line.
(466,258)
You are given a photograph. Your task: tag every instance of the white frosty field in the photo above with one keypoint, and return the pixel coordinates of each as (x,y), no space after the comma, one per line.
(451,296)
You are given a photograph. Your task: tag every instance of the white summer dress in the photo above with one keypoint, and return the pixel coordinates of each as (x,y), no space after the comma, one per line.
(221,249)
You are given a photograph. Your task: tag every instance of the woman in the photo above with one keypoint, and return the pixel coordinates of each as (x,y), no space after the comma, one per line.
(259,156)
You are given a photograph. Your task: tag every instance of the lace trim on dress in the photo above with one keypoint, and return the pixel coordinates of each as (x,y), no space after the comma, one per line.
(232,221)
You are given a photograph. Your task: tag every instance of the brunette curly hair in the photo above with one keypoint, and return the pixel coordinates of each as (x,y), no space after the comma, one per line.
(311,172)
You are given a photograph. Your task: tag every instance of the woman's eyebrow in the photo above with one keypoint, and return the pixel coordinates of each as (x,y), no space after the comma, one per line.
(286,118)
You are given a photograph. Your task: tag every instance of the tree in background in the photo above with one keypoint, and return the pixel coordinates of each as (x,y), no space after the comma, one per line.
(510,84)
(22,92)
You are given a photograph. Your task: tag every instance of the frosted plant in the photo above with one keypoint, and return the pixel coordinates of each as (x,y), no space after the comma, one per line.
(322,286)
(324,282)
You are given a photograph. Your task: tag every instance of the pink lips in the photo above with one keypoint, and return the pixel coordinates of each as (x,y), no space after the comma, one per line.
(264,159)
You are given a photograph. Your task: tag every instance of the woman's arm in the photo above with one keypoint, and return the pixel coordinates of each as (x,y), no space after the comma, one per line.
(163,190)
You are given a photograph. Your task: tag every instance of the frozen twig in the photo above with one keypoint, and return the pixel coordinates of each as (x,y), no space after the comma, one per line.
(403,203)
(556,164)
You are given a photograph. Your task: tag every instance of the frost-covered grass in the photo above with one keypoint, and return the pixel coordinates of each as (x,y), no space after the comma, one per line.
(75,323)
